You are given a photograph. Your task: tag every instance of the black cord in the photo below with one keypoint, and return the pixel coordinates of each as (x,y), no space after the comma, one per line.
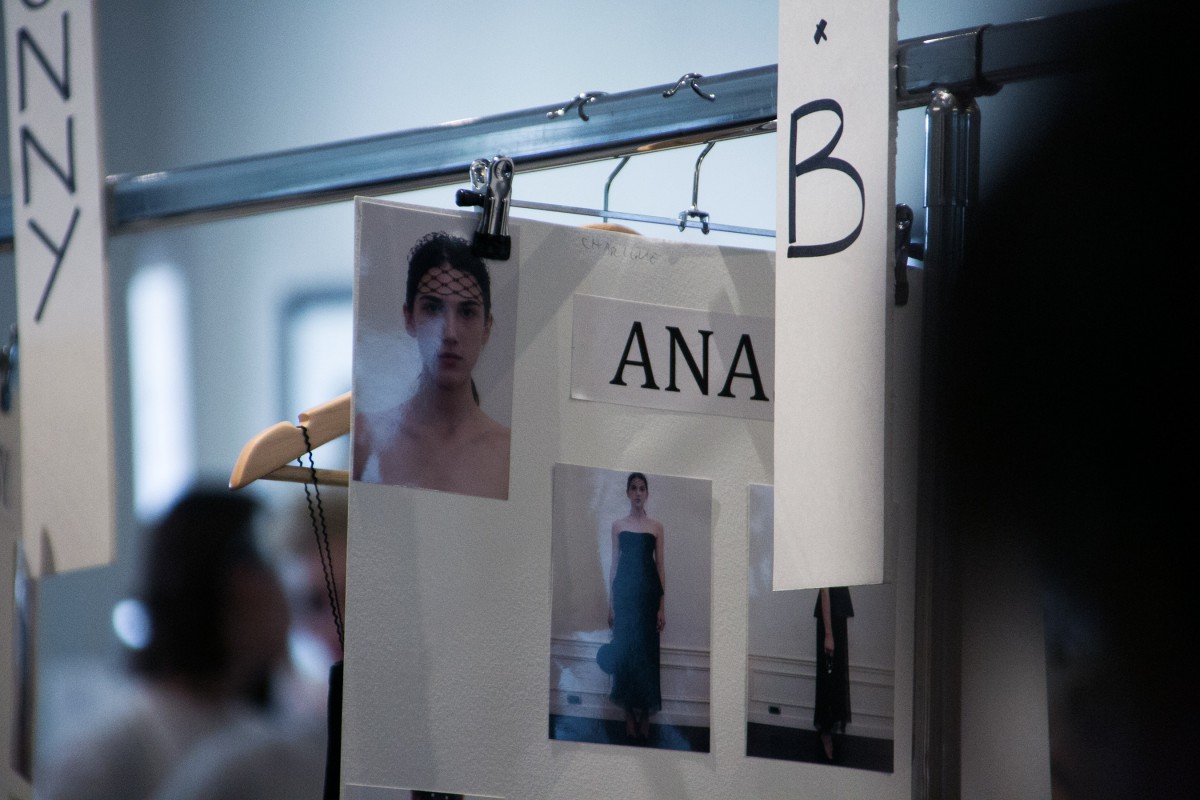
(322,534)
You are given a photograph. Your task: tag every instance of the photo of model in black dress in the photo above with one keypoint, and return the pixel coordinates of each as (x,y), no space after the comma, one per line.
(831,710)
(636,613)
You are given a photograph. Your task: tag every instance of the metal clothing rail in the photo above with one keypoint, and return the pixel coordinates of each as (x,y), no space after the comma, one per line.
(974,62)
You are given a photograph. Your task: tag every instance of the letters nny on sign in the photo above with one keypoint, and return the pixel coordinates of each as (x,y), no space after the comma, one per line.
(62,310)
(834,205)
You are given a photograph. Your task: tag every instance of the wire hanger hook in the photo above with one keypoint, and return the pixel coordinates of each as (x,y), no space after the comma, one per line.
(608,185)
(578,102)
(689,79)
(694,211)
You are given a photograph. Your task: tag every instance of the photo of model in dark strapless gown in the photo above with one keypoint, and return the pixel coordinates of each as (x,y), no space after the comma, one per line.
(636,592)
(636,610)
(630,632)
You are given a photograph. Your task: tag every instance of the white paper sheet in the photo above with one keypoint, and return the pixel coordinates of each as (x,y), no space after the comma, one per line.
(449,596)
(678,359)
(835,209)
(59,232)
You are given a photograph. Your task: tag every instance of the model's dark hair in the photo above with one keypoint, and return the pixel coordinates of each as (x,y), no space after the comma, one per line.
(437,248)
(190,556)
(634,476)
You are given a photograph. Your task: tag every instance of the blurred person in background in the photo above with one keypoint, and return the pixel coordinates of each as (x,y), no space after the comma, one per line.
(283,757)
(217,620)
(313,641)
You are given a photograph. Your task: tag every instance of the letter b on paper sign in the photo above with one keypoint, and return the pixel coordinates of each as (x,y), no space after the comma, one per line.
(821,172)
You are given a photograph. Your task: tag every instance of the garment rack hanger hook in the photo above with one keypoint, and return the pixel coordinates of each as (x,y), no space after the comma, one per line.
(694,211)
(608,185)
(689,79)
(577,102)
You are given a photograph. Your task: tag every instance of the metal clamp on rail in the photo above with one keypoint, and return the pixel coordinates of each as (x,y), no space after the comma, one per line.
(491,192)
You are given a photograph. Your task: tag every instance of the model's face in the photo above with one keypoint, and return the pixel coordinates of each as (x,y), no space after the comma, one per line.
(637,492)
(450,324)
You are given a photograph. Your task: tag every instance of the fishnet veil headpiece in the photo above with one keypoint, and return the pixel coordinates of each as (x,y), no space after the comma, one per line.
(441,250)
(446,281)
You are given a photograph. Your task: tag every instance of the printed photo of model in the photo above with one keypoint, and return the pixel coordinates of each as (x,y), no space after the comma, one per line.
(630,611)
(820,663)
(430,410)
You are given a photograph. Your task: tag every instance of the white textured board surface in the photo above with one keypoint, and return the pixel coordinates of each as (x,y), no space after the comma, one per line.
(449,597)
(835,218)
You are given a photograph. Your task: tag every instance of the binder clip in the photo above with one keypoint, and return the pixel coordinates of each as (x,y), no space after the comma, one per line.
(492,191)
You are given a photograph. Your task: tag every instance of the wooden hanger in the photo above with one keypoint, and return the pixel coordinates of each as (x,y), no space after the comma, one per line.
(615,227)
(271,453)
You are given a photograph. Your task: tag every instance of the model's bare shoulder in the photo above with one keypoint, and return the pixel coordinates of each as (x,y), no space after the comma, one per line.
(493,440)
(494,430)
(494,451)
(473,460)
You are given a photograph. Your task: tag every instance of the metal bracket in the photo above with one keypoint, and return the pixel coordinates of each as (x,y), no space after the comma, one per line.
(904,224)
(8,370)
(951,61)
(492,192)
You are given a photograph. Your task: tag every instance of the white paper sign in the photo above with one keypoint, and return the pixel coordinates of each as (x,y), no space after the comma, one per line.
(638,354)
(835,200)
(59,236)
